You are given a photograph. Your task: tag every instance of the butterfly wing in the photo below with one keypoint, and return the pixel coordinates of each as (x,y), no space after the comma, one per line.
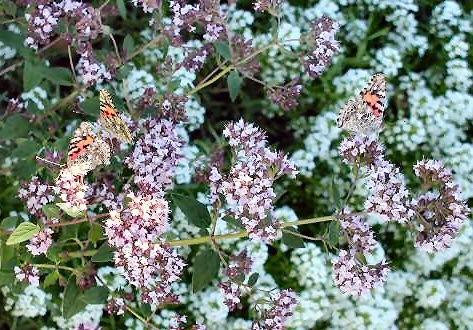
(86,150)
(374,95)
(364,114)
(111,119)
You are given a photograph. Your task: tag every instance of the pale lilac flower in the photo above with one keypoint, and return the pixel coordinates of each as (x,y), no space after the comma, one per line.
(360,150)
(148,5)
(286,96)
(325,46)
(271,6)
(146,264)
(14,105)
(115,306)
(356,278)
(71,189)
(156,156)
(231,293)
(358,233)
(199,327)
(247,188)
(206,14)
(42,22)
(90,70)
(388,194)
(239,265)
(242,49)
(195,60)
(28,274)
(36,194)
(176,322)
(87,326)
(40,242)
(276,318)
(173,108)
(441,213)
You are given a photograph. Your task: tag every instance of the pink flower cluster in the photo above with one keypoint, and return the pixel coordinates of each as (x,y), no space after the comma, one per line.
(275,318)
(28,274)
(351,274)
(156,156)
(441,213)
(148,265)
(206,14)
(41,24)
(36,194)
(72,190)
(40,242)
(389,196)
(247,188)
(286,96)
(325,46)
(238,268)
(355,278)
(267,5)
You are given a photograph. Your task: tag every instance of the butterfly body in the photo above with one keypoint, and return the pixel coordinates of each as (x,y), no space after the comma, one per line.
(364,114)
(111,119)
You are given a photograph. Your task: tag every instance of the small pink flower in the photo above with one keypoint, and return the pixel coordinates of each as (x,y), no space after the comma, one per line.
(40,242)
(27,273)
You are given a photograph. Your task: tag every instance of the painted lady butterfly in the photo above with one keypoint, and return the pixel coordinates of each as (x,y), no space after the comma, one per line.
(86,150)
(111,120)
(364,114)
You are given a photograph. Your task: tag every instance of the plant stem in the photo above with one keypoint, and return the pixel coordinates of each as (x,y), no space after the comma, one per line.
(56,267)
(73,222)
(207,239)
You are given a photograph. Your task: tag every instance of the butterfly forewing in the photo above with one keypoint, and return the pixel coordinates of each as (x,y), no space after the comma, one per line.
(111,120)
(364,114)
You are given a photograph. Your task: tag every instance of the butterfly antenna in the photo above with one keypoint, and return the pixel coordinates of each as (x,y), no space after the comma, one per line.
(48,161)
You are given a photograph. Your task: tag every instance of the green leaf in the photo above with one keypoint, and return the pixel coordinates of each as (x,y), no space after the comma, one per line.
(26,148)
(196,212)
(206,266)
(9,223)
(223,49)
(128,45)
(104,254)
(51,211)
(9,7)
(58,76)
(25,169)
(51,279)
(14,40)
(23,232)
(32,75)
(234,84)
(69,211)
(95,233)
(291,240)
(253,279)
(334,232)
(91,106)
(234,222)
(96,295)
(15,126)
(121,8)
(7,277)
(71,304)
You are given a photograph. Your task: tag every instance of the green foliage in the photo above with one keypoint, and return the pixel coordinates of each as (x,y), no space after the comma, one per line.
(205,268)
(195,212)
(23,232)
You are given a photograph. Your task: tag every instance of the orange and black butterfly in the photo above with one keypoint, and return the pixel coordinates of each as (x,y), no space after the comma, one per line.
(111,120)
(86,150)
(365,113)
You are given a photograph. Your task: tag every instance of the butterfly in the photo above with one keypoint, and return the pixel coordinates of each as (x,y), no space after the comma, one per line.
(111,120)
(86,150)
(364,114)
